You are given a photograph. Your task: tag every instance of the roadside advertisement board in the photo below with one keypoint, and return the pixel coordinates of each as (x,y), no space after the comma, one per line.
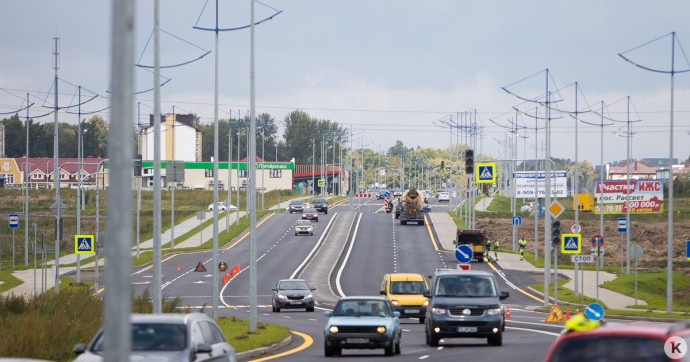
(524,183)
(641,196)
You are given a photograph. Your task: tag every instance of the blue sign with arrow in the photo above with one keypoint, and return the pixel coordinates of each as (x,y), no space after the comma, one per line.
(594,312)
(517,220)
(464,253)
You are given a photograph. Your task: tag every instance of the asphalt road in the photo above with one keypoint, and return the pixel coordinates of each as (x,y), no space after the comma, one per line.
(374,244)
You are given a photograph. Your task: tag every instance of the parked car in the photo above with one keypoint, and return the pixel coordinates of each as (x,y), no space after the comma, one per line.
(295,206)
(304,227)
(320,205)
(168,337)
(585,340)
(362,323)
(223,206)
(464,304)
(405,291)
(292,293)
(310,213)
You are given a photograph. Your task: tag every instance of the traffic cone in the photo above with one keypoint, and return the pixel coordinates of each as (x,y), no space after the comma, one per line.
(178,268)
(567,314)
(508,316)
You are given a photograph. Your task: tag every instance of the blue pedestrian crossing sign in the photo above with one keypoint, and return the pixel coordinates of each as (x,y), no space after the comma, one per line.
(84,244)
(464,253)
(571,243)
(486,173)
(594,312)
(517,220)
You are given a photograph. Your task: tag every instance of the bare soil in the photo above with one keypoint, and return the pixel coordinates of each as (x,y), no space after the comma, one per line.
(652,236)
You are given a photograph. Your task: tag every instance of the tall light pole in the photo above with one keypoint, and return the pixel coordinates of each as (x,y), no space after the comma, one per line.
(669,241)
(56,172)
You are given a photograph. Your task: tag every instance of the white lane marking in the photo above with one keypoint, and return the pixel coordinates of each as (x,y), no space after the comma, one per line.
(406,330)
(424,356)
(503,276)
(535,331)
(316,247)
(141,282)
(440,348)
(312,319)
(347,256)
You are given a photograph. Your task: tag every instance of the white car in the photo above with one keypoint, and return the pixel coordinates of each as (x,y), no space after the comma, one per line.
(444,196)
(222,206)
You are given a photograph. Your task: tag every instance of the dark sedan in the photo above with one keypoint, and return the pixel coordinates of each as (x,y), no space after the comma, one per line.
(310,213)
(292,293)
(320,205)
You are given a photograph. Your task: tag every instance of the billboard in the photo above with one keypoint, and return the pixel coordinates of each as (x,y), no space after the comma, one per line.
(641,196)
(524,182)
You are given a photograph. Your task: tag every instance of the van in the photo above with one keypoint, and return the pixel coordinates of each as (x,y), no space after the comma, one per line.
(405,291)
(464,304)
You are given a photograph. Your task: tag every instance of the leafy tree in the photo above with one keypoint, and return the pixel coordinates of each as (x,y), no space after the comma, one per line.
(95,141)
(305,135)
(15,137)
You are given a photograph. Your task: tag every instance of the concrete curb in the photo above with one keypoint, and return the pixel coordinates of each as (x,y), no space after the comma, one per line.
(251,354)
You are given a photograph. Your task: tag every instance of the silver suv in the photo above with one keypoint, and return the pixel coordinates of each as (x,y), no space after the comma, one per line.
(464,304)
(296,206)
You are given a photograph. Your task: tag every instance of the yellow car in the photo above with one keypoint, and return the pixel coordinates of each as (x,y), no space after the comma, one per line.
(404,290)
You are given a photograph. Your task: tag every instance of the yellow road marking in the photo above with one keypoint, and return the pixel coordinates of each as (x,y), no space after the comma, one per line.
(431,235)
(518,289)
(308,341)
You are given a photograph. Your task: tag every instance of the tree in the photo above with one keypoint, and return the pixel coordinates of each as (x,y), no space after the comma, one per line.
(95,140)
(15,137)
(304,135)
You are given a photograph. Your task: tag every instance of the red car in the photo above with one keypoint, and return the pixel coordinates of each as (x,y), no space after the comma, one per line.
(310,213)
(624,342)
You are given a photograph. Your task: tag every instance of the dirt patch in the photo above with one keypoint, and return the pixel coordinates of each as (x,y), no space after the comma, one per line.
(650,235)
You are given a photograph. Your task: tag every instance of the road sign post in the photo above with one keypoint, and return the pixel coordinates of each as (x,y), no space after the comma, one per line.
(571,244)
(14,225)
(594,312)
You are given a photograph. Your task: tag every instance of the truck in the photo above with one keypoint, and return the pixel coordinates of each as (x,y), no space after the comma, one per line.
(411,210)
(475,238)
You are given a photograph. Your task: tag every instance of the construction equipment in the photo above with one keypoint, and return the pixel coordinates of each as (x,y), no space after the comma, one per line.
(475,238)
(411,209)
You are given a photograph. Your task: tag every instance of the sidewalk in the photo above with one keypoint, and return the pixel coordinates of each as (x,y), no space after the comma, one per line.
(27,276)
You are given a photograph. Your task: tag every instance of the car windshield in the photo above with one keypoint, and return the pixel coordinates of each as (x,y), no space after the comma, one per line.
(362,308)
(407,287)
(153,337)
(610,348)
(293,285)
(296,202)
(319,201)
(309,209)
(465,286)
(303,222)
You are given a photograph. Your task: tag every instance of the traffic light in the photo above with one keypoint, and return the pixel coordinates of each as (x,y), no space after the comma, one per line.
(469,161)
(137,166)
(555,232)
(443,165)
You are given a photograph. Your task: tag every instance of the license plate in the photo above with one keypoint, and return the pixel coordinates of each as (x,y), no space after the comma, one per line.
(295,302)
(467,329)
(357,340)
(411,311)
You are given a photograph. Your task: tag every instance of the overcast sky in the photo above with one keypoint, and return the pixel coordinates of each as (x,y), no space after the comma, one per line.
(390,69)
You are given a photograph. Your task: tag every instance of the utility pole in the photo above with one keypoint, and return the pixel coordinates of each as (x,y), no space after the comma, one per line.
(56,171)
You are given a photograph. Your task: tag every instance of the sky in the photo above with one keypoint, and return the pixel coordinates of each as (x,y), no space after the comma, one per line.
(389,69)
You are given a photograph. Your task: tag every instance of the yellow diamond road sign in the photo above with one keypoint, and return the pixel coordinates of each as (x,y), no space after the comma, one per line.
(556,209)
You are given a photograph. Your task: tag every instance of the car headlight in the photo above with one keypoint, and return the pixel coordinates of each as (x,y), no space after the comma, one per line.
(381,329)
(493,311)
(333,329)
(395,302)
(282,296)
(439,311)
(426,303)
(309,296)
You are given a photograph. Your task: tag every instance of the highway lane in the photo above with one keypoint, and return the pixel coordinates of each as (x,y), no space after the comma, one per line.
(372,255)
(279,253)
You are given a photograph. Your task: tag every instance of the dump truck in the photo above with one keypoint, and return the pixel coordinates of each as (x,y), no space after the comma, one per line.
(411,210)
(475,238)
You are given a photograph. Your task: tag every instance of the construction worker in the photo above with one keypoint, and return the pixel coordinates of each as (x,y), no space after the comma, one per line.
(522,243)
(488,249)
(496,246)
